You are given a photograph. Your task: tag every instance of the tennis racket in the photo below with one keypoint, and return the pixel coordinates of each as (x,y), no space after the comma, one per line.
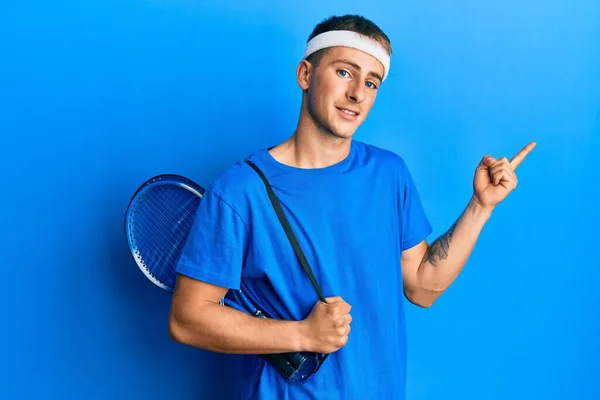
(157,223)
(158,220)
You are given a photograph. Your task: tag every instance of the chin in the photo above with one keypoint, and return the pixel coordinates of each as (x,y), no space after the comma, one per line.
(345,132)
(339,133)
(340,130)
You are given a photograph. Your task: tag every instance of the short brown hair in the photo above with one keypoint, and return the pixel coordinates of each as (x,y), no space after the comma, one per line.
(355,23)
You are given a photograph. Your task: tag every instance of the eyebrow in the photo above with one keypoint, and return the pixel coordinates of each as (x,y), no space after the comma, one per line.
(356,66)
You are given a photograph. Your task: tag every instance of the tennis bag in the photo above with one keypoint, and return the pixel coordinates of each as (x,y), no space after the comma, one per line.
(295,367)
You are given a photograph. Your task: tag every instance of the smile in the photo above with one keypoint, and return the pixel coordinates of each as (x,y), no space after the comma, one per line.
(348,114)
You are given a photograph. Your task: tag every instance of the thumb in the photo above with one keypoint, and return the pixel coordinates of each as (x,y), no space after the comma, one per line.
(486,162)
(334,299)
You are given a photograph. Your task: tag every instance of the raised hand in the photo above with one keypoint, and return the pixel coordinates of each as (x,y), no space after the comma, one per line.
(327,327)
(496,178)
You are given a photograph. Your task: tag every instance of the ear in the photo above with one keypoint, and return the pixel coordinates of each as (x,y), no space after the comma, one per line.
(303,74)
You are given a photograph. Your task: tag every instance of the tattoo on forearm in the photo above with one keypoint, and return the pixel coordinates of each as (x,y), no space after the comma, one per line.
(438,250)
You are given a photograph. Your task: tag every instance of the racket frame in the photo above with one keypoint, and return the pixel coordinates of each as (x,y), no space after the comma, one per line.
(157,180)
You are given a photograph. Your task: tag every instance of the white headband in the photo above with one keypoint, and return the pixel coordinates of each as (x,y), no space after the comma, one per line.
(349,39)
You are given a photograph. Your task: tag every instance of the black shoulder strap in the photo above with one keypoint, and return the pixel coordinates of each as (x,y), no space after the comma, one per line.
(288,231)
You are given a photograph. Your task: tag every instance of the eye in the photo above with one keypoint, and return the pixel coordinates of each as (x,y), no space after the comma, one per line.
(343,73)
(371,85)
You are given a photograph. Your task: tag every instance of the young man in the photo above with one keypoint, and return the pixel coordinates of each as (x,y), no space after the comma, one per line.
(359,220)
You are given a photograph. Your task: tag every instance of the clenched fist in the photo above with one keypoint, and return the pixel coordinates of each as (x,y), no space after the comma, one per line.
(327,327)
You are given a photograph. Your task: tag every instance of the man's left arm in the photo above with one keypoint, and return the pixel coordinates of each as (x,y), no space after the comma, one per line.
(429,269)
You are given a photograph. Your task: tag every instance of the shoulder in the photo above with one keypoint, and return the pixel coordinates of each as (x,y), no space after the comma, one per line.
(231,180)
(236,183)
(381,157)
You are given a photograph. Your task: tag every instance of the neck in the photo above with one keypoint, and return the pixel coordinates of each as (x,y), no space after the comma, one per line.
(311,146)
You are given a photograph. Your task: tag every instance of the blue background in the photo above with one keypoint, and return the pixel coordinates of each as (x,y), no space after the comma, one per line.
(97,96)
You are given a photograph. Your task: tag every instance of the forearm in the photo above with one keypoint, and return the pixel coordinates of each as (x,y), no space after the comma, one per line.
(447,255)
(224,329)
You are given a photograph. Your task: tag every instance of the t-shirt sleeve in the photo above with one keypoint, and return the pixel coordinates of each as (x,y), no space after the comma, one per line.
(216,245)
(415,224)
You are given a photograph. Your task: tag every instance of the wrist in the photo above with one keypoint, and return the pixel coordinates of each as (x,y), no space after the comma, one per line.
(476,208)
(302,337)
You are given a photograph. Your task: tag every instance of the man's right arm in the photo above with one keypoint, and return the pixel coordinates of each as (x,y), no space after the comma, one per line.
(198,319)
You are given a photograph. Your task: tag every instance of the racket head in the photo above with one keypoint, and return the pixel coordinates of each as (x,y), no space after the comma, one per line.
(157,221)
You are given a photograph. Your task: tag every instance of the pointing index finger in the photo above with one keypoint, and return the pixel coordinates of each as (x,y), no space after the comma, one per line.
(520,156)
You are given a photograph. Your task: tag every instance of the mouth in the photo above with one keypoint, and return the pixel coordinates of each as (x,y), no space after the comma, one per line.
(348,113)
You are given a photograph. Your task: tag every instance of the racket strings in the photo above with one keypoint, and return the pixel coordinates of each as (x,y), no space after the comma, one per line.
(162,220)
(166,207)
(157,255)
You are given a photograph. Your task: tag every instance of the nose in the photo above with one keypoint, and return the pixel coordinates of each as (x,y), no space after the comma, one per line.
(356,92)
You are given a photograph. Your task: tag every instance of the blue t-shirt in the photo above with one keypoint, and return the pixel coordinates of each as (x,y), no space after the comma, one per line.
(353,220)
